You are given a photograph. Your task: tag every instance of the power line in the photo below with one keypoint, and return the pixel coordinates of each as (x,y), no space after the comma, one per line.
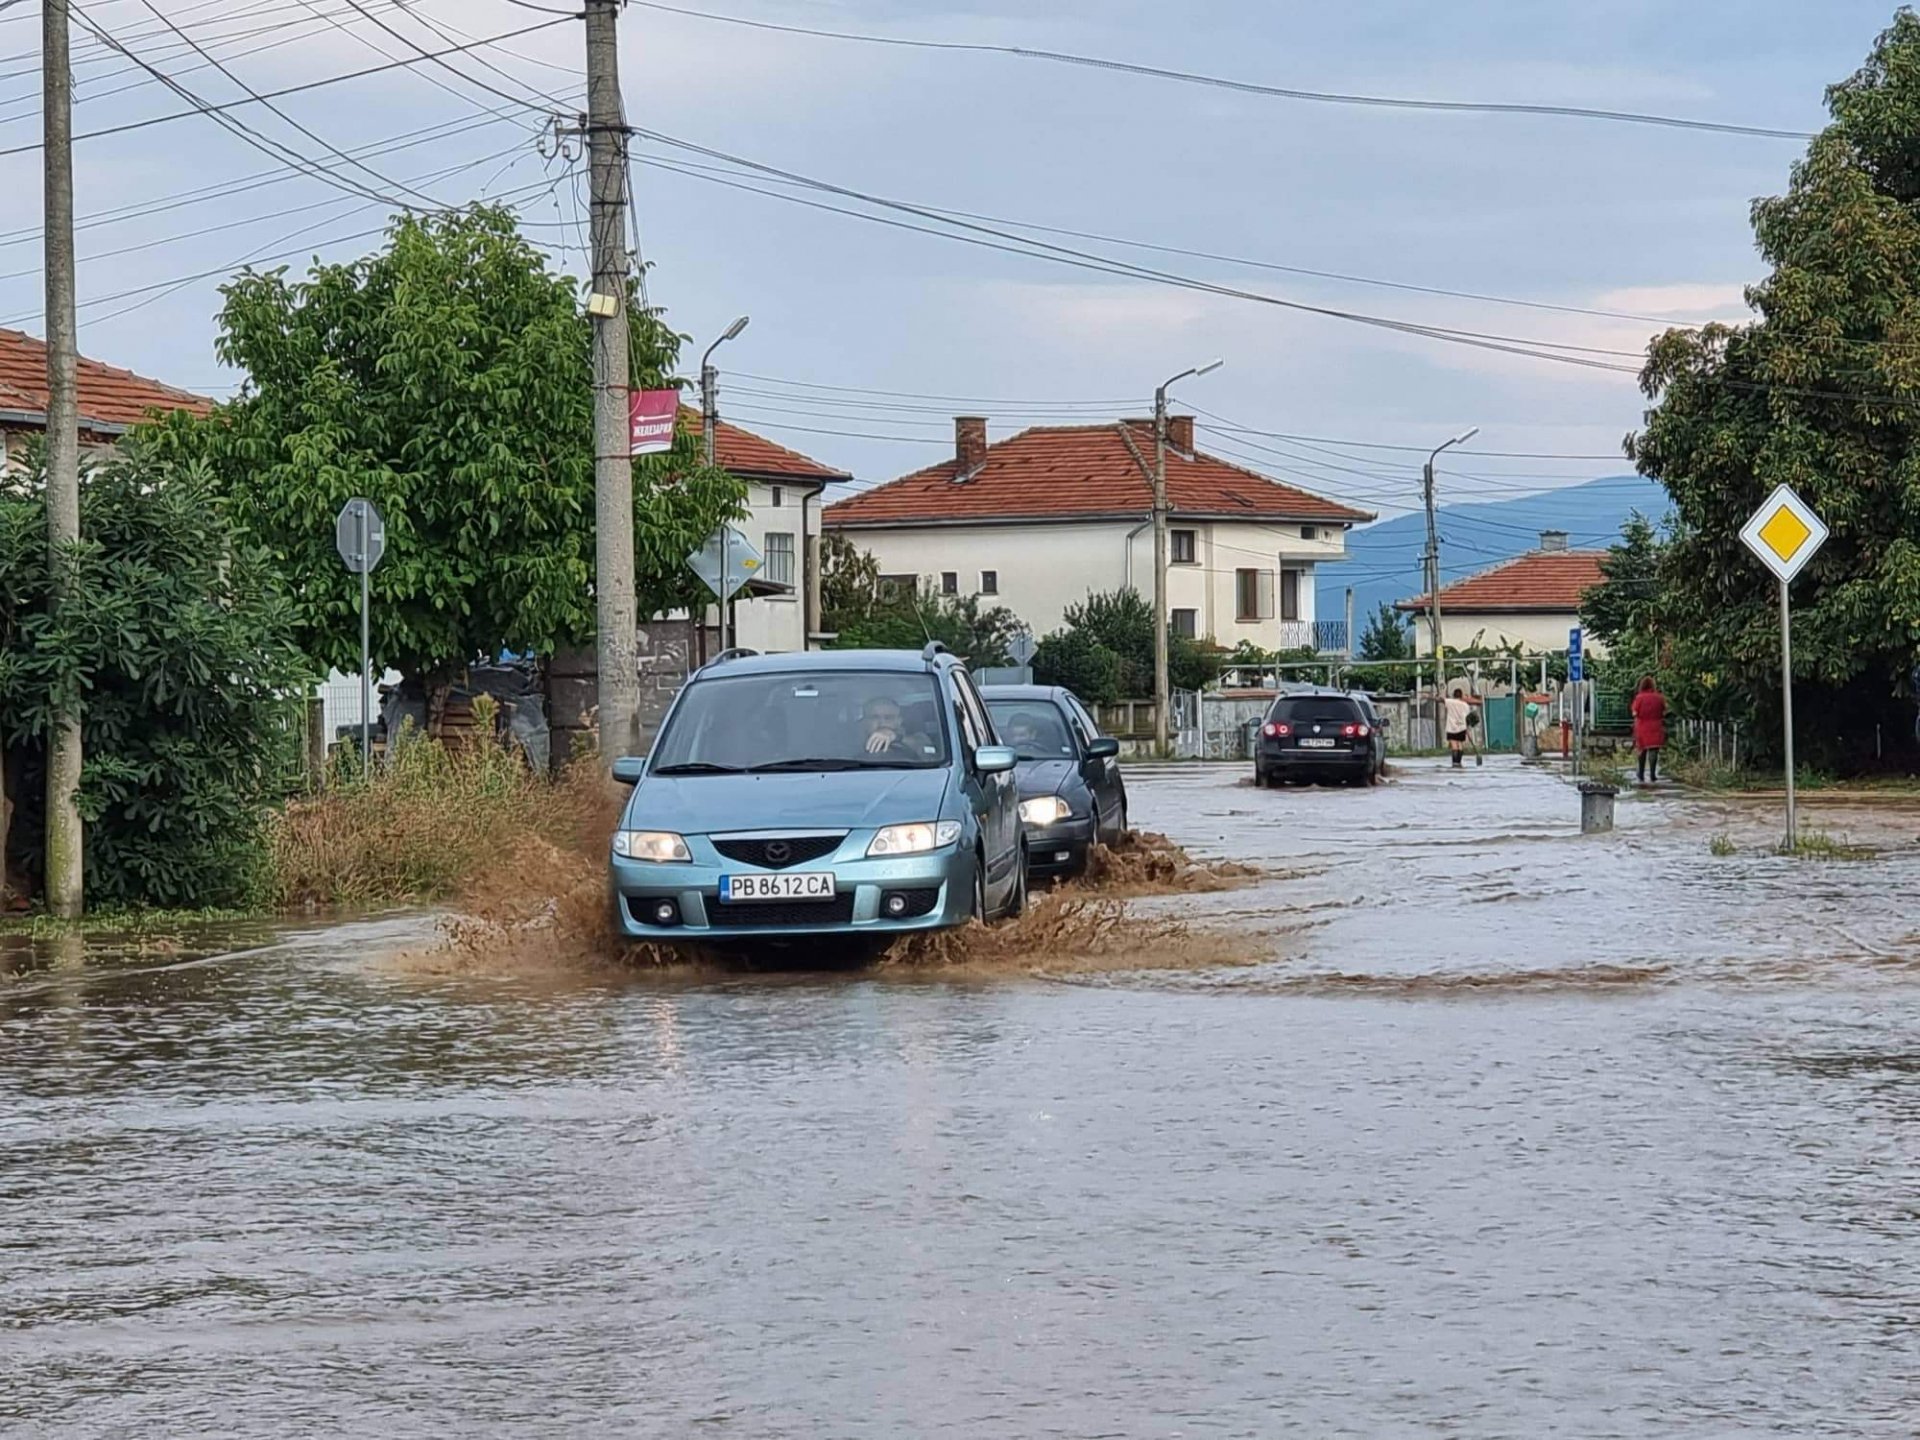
(318,139)
(301,89)
(436,59)
(1482,107)
(1087,260)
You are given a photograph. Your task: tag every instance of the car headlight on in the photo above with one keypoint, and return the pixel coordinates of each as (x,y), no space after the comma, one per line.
(655,845)
(913,839)
(1047,810)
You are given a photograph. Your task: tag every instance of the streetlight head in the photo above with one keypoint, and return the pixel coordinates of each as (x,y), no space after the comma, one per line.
(736,327)
(1209,366)
(1462,439)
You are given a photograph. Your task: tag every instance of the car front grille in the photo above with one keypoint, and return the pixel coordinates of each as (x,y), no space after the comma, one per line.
(837,911)
(780,852)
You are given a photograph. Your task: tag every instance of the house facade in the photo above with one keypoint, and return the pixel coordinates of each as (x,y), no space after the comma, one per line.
(1038,521)
(112,401)
(779,611)
(1531,601)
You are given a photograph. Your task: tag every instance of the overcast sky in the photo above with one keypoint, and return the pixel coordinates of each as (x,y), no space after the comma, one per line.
(1569,212)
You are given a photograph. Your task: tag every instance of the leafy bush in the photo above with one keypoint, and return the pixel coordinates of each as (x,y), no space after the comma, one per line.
(982,637)
(1120,622)
(177,645)
(1075,659)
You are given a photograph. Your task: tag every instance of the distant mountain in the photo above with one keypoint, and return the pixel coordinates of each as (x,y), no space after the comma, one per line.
(1386,556)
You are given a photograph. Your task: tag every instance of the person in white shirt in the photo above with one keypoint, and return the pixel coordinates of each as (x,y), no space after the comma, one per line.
(1456,723)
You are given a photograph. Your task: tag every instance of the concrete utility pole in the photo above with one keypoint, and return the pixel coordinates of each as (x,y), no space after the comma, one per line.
(66,893)
(616,614)
(709,422)
(1433,580)
(1162,679)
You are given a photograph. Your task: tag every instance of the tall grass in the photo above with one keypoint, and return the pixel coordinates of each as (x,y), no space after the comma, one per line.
(430,823)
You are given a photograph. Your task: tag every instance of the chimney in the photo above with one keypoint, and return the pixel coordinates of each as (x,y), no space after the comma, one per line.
(969,444)
(1553,539)
(1180,433)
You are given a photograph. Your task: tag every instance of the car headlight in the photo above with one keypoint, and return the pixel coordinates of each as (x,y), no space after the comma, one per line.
(655,845)
(913,839)
(1047,810)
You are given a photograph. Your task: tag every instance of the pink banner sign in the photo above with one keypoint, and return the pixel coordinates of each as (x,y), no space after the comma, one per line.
(650,415)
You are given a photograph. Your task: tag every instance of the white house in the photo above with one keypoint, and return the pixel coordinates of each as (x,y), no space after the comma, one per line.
(779,610)
(1532,601)
(1038,521)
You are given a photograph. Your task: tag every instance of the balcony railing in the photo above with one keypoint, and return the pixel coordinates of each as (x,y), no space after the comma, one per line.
(1324,637)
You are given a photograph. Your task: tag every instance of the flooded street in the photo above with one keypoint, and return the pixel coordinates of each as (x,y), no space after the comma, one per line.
(1495,1131)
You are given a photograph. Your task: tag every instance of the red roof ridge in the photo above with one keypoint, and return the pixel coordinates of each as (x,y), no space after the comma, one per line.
(1566,575)
(1063,472)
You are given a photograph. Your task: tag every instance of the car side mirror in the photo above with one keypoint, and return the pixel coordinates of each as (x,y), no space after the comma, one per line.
(629,768)
(994,759)
(1386,722)
(1105,748)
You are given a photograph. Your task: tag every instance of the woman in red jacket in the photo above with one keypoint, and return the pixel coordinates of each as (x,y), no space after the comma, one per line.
(1649,728)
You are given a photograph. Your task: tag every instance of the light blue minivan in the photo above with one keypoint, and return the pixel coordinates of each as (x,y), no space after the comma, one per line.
(846,792)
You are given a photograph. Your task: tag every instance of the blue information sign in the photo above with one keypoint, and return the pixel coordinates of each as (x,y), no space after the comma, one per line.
(1576,667)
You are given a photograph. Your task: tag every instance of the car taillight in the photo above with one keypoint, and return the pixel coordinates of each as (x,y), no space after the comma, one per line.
(1365,731)
(1349,730)
(1274,731)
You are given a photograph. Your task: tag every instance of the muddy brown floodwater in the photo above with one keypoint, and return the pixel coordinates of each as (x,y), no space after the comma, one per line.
(1485,1130)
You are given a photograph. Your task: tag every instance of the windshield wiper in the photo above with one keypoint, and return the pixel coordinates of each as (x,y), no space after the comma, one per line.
(835,762)
(699,767)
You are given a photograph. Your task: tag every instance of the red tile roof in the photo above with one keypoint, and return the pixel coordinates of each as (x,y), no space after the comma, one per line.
(1548,581)
(107,396)
(1071,472)
(744,453)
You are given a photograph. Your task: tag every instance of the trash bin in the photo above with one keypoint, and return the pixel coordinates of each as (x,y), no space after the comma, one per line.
(1596,807)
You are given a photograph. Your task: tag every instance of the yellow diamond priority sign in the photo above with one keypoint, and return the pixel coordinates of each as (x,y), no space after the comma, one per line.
(1784,533)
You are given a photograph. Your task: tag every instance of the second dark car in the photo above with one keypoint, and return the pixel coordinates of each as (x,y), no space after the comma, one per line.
(1071,791)
(1318,735)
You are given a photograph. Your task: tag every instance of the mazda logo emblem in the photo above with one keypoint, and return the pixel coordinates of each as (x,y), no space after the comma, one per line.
(778,852)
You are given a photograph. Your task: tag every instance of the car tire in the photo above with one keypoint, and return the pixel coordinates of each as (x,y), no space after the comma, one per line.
(980,887)
(1017,897)
(1259,778)
(1124,830)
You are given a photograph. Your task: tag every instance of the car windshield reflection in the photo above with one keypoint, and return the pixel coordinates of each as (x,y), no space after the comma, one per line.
(822,721)
(1034,729)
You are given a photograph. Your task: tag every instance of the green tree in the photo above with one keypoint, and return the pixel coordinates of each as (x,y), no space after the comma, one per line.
(849,582)
(981,637)
(449,378)
(177,641)
(1388,636)
(1821,392)
(1625,602)
(1075,659)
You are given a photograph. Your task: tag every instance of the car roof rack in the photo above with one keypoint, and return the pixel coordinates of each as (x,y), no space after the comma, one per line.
(738,652)
(934,647)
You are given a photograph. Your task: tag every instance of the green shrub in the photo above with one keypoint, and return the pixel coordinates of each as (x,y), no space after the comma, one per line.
(175,642)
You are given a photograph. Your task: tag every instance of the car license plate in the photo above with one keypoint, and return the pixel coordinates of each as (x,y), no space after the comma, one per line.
(788,885)
(1316,744)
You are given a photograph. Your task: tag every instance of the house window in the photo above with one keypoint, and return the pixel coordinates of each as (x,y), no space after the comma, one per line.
(1185,551)
(1253,594)
(1186,623)
(989,582)
(1289,594)
(949,582)
(780,556)
(779,497)
(1307,532)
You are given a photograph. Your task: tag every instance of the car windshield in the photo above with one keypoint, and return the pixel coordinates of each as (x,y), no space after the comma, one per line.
(1034,729)
(798,721)
(1315,709)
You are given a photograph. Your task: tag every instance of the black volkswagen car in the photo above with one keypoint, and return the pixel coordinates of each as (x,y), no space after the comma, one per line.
(1319,735)
(1071,793)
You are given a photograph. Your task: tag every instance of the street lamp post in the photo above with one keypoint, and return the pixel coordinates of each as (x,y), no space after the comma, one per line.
(709,418)
(1433,576)
(1162,682)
